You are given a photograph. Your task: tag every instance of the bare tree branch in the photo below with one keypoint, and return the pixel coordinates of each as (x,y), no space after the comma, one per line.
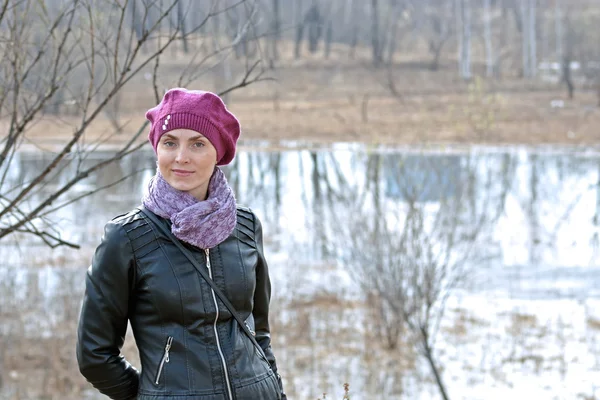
(408,255)
(89,193)
(246,80)
(82,57)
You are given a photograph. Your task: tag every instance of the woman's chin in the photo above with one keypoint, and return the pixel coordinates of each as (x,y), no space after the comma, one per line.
(181,186)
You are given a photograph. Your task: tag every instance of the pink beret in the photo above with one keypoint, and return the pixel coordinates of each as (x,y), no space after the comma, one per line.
(203,112)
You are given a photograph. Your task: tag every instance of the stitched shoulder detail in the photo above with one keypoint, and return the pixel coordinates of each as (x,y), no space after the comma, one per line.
(245,212)
(246,217)
(128,217)
(245,226)
(140,234)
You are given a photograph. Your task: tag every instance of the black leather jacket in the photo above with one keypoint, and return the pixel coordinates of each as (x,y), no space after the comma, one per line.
(190,348)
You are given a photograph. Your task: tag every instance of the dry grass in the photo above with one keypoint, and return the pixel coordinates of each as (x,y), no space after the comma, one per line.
(521,324)
(342,100)
(463,323)
(593,324)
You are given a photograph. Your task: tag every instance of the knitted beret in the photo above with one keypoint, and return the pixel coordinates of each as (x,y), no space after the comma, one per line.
(203,112)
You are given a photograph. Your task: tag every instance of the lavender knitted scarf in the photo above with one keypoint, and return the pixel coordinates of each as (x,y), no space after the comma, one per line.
(203,224)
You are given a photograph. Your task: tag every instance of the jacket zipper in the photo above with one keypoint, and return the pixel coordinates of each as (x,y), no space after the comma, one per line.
(229,391)
(165,358)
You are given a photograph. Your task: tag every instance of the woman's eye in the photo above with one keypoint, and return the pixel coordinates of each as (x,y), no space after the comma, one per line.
(198,144)
(169,144)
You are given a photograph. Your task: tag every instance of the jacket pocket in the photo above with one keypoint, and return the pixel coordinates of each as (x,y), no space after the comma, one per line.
(164,360)
(259,350)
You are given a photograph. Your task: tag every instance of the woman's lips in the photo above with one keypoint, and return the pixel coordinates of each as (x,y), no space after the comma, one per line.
(182,172)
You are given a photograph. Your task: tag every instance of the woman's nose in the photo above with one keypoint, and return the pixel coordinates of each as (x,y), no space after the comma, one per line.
(182,155)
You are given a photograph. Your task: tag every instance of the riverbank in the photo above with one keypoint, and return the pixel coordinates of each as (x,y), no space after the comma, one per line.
(325,103)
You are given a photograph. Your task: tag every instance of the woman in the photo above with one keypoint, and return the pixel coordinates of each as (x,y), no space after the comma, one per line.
(190,346)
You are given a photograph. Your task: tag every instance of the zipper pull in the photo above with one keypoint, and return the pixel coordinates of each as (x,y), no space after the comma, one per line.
(207,252)
(250,329)
(168,347)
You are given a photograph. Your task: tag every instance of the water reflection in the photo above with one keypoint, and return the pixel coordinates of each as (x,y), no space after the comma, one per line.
(529,220)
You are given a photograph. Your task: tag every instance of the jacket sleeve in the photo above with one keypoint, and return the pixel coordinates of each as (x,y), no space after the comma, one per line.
(262,297)
(104,316)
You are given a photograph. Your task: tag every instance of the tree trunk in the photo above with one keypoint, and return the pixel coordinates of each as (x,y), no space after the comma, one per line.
(375,39)
(525,39)
(468,31)
(566,72)
(354,29)
(298,43)
(315,178)
(518,15)
(276,30)
(532,38)
(543,36)
(135,21)
(197,12)
(299,22)
(328,38)
(436,49)
(529,38)
(559,31)
(393,31)
(243,48)
(181,27)
(460,39)
(441,31)
(489,55)
(216,26)
(347,7)
(227,77)
(465,43)
(318,205)
(378,198)
(534,220)
(431,361)
(278,186)
(314,21)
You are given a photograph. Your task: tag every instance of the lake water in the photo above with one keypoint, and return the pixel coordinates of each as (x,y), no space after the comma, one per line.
(518,227)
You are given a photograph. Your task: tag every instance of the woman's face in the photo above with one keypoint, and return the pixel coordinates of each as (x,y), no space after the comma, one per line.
(186,159)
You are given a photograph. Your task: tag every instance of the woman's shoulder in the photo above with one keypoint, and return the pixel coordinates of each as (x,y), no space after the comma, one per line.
(246,213)
(249,219)
(129,229)
(122,224)
(130,217)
